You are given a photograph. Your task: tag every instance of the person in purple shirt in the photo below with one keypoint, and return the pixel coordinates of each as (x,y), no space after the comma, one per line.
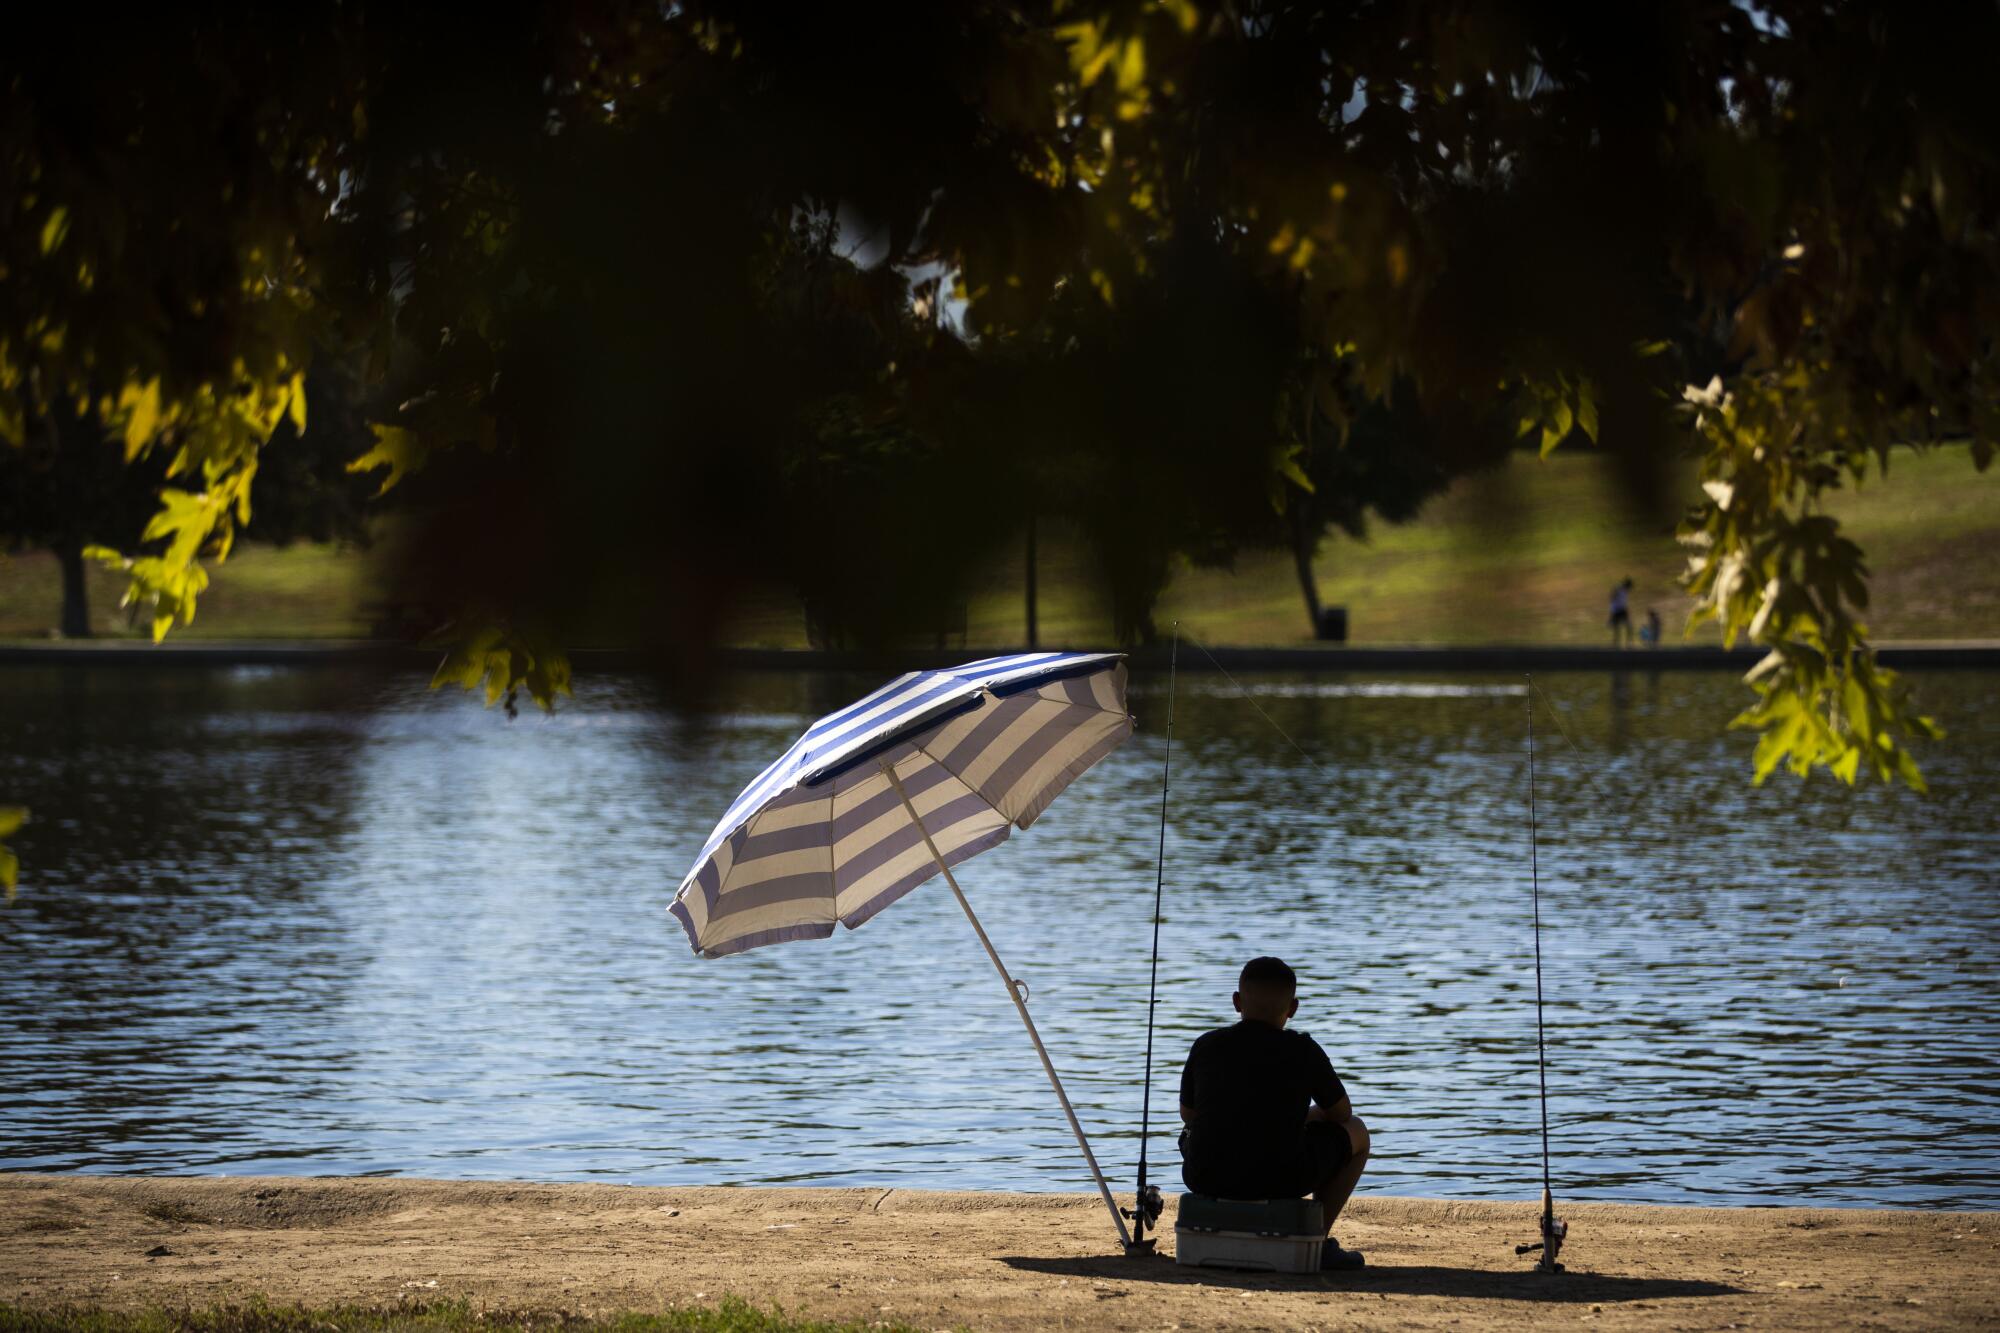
(1267,1118)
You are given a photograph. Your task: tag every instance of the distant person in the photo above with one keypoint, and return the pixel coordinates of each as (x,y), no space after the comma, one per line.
(1267,1118)
(1621,615)
(1649,633)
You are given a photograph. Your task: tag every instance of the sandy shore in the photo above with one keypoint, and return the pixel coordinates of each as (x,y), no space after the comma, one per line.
(976,1261)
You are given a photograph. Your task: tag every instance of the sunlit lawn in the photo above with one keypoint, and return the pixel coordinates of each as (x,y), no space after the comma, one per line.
(1526,554)
(296,592)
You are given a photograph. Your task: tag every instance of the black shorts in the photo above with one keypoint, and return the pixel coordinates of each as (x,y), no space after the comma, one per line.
(1322,1150)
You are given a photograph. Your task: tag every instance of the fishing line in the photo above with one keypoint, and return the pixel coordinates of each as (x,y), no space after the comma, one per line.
(1591,773)
(1535,882)
(1552,1230)
(1583,764)
(1149,1205)
(1251,699)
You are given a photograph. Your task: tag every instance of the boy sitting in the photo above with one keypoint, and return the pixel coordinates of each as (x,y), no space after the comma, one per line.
(1267,1118)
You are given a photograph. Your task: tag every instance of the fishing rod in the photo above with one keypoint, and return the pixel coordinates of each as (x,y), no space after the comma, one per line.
(1147,1203)
(1554,1229)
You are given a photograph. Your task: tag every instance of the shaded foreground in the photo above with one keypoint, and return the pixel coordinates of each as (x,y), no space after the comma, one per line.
(933,1260)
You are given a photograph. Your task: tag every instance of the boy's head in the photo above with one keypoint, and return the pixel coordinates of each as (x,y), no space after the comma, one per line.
(1267,991)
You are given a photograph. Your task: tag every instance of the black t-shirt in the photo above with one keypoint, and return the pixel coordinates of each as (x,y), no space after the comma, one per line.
(1247,1089)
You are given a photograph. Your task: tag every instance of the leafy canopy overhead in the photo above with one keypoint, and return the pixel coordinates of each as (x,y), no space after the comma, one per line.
(668,302)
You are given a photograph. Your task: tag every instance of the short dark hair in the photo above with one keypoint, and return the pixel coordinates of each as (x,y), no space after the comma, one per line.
(1268,974)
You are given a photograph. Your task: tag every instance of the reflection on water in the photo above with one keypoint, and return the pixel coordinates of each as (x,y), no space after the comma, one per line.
(303,923)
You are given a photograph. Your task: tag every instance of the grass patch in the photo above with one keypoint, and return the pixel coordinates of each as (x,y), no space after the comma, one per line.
(305,591)
(731,1316)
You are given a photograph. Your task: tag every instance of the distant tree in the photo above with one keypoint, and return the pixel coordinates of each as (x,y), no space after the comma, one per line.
(1379,459)
(69,488)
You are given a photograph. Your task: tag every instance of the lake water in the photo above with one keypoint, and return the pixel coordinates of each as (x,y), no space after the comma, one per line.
(305,922)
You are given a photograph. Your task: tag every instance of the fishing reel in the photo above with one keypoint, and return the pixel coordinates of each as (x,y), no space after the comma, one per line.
(1554,1230)
(1145,1212)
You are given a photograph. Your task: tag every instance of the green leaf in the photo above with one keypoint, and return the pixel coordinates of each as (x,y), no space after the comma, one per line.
(1906,768)
(559,676)
(1771,750)
(1848,765)
(1586,413)
(10,871)
(465,664)
(499,671)
(1089,53)
(1288,467)
(396,449)
(1854,698)
(55,228)
(11,819)
(1132,65)
(1557,427)
(141,405)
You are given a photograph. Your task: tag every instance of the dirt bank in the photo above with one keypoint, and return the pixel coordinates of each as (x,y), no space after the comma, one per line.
(965,1260)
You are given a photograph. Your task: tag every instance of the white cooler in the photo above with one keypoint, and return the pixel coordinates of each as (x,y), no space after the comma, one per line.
(1260,1235)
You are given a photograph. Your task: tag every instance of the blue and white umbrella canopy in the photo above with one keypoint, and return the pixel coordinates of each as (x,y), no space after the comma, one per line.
(822,835)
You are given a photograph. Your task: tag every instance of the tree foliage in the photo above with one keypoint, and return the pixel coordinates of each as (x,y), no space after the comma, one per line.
(70,488)
(671,302)
(67,487)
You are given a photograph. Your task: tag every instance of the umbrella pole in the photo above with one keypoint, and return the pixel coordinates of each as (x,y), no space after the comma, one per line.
(1014,992)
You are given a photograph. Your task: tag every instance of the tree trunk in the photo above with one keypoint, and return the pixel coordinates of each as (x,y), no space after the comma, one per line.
(75,595)
(1304,542)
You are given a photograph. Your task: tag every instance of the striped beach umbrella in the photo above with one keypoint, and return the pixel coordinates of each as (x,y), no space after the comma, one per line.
(903,784)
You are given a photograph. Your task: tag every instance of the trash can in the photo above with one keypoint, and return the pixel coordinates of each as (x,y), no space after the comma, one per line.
(1333,624)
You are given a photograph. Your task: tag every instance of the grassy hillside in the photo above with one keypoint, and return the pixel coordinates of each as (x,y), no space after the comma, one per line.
(1526,554)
